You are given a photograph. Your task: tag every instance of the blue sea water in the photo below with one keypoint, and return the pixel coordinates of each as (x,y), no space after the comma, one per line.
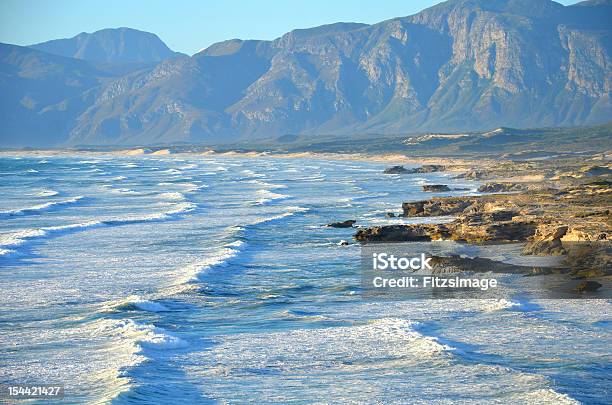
(201,279)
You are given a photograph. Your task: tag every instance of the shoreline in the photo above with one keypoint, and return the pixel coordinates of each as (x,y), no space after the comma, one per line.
(454,164)
(504,212)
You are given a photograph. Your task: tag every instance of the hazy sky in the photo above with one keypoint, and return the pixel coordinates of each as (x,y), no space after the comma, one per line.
(190,25)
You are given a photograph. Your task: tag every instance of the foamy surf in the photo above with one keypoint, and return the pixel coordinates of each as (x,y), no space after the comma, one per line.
(265,184)
(279,276)
(171,196)
(381,343)
(268,196)
(124,191)
(141,335)
(290,212)
(135,302)
(544,396)
(190,273)
(18,238)
(40,207)
(46,193)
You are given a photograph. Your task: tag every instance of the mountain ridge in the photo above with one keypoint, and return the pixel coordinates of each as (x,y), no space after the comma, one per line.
(459,65)
(110,45)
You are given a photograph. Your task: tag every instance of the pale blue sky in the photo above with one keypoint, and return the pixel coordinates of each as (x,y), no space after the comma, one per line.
(190,25)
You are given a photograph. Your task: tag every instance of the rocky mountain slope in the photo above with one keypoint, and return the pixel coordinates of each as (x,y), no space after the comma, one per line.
(460,65)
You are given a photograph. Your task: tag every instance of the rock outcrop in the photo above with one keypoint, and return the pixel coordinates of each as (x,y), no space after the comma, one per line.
(500,187)
(429,169)
(408,233)
(588,286)
(436,188)
(436,207)
(546,241)
(421,169)
(532,218)
(395,170)
(342,224)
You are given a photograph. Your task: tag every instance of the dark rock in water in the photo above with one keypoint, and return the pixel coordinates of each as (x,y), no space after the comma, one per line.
(435,188)
(390,215)
(343,243)
(343,224)
(395,170)
(500,187)
(422,169)
(588,286)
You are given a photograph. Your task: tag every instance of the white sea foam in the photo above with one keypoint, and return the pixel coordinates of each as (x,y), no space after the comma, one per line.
(172,196)
(146,336)
(191,187)
(291,211)
(32,171)
(302,317)
(21,237)
(127,191)
(40,207)
(171,171)
(18,238)
(135,302)
(221,258)
(336,350)
(146,305)
(265,184)
(6,252)
(544,396)
(490,305)
(178,209)
(268,196)
(236,243)
(45,193)
(317,177)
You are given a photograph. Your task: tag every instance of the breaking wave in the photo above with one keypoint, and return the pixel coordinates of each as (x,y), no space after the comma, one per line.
(40,207)
(18,238)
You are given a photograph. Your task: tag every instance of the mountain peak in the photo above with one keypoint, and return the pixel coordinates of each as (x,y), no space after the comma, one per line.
(110,45)
(527,8)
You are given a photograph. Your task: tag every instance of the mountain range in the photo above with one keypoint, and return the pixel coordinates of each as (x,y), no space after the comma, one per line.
(462,65)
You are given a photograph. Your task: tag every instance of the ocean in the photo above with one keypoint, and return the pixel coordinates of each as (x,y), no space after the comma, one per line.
(203,279)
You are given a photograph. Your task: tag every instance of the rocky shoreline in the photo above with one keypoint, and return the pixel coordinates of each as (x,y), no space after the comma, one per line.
(569,212)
